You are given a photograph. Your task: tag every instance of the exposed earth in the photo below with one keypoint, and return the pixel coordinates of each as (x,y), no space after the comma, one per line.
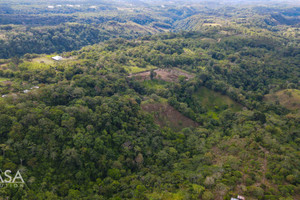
(166,115)
(169,75)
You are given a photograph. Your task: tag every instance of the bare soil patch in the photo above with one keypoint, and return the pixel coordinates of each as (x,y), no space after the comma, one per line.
(166,115)
(2,37)
(169,75)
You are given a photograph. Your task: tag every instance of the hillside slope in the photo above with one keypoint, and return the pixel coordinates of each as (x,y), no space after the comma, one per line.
(80,128)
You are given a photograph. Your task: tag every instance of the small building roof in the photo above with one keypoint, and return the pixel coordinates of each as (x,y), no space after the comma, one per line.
(57,58)
(240,197)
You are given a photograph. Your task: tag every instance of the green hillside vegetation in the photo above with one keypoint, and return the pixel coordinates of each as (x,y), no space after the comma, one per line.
(36,28)
(92,125)
(184,115)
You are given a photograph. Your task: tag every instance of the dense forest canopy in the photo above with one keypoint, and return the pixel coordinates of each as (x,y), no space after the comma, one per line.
(151,100)
(56,26)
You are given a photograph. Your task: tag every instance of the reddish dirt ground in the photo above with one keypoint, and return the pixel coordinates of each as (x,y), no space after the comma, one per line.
(166,115)
(169,75)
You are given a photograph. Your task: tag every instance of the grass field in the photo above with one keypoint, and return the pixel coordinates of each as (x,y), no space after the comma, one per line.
(135,69)
(166,195)
(214,100)
(188,51)
(4,79)
(33,65)
(211,24)
(45,59)
(154,84)
(289,98)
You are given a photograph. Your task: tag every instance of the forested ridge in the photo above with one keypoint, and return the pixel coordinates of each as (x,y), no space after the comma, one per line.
(53,26)
(134,110)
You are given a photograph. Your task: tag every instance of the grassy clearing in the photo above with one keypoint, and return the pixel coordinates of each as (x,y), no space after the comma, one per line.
(154,84)
(215,101)
(4,79)
(50,56)
(47,60)
(166,195)
(135,69)
(289,98)
(213,115)
(211,24)
(4,62)
(188,51)
(33,65)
